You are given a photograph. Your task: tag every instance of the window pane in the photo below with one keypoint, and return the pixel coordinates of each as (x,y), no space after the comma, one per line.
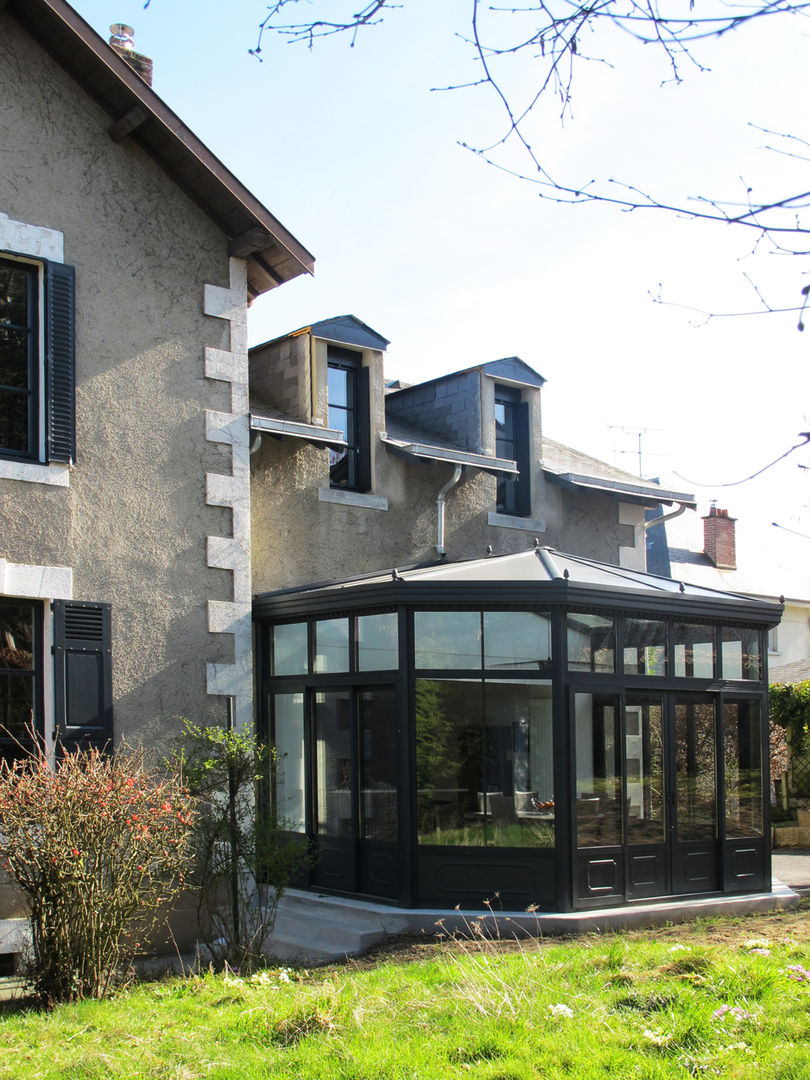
(14,299)
(598,771)
(742,752)
(14,421)
(331,645)
(377,642)
(644,765)
(517,639)
(694,651)
(645,647)
(338,379)
(332,733)
(740,653)
(16,707)
(14,368)
(288,739)
(695,770)
(447,639)
(517,795)
(377,728)
(591,642)
(16,636)
(289,643)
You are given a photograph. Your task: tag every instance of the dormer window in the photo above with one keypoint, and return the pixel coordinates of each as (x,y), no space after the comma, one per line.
(512,442)
(347,382)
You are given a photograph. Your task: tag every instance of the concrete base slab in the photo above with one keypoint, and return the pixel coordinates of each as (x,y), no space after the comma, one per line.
(316,928)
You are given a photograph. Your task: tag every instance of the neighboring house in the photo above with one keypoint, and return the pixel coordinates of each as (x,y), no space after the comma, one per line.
(746,557)
(351,474)
(128,257)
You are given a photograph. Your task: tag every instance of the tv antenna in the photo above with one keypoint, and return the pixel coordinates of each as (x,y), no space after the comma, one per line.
(639,433)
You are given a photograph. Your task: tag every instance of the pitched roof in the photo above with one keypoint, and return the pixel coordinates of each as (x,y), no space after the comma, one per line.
(572,469)
(273,254)
(798,671)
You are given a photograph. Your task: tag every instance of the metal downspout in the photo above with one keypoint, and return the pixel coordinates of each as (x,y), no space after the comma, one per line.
(682,508)
(451,483)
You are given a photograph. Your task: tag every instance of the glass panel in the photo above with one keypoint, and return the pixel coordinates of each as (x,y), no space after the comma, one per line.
(450,802)
(377,642)
(644,768)
(289,644)
(16,707)
(645,647)
(14,301)
(694,651)
(14,359)
(331,645)
(378,765)
(742,752)
(517,639)
(14,421)
(447,639)
(17,636)
(598,771)
(695,769)
(740,653)
(332,732)
(337,379)
(289,779)
(516,798)
(591,642)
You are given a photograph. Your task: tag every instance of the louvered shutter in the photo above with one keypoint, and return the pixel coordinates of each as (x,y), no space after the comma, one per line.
(60,363)
(363,436)
(82,675)
(523,458)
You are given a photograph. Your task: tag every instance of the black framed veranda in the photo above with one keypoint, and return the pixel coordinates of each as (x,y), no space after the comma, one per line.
(560,732)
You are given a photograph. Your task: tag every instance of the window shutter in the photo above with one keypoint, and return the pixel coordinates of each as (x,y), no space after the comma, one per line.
(60,362)
(523,458)
(363,430)
(82,675)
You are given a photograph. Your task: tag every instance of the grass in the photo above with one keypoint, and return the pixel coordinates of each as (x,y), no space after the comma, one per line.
(719,998)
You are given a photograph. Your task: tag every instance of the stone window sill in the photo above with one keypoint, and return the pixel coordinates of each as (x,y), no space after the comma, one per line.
(507,521)
(352,498)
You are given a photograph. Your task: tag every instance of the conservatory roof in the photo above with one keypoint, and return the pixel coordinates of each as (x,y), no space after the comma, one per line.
(512,579)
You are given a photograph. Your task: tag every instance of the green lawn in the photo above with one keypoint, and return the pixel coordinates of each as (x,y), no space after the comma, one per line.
(723,998)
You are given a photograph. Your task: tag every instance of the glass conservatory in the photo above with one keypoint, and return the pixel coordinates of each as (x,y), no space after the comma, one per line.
(556,731)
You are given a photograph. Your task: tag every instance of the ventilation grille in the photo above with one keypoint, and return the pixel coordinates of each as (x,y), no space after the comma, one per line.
(84,624)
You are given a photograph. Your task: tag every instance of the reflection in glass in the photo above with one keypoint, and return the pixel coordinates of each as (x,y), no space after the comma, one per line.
(694,651)
(740,652)
(484,763)
(447,639)
(378,765)
(598,771)
(342,417)
(332,736)
(289,648)
(695,783)
(16,675)
(517,640)
(742,753)
(591,642)
(288,772)
(331,645)
(644,765)
(377,642)
(645,647)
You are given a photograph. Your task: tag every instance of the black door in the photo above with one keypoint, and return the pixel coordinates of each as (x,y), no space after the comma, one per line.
(354,791)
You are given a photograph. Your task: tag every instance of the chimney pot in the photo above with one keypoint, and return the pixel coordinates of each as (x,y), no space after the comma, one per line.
(122,40)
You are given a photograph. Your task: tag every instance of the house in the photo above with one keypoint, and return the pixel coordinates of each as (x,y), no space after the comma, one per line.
(128,257)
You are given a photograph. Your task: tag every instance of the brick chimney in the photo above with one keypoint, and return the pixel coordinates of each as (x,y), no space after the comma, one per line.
(122,39)
(718,539)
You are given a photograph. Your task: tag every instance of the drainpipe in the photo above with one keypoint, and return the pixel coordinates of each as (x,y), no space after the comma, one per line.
(451,483)
(682,508)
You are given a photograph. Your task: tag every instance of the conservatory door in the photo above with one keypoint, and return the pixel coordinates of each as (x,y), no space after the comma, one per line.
(693,798)
(355,791)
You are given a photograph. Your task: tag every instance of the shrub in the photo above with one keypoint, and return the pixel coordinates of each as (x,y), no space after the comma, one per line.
(245,853)
(98,843)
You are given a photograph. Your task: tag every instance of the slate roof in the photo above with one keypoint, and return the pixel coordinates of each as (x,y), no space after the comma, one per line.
(798,671)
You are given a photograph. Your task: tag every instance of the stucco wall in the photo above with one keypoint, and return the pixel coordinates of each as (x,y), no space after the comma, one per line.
(297,537)
(133,522)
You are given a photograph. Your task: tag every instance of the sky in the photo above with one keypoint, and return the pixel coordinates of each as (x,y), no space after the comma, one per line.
(459,263)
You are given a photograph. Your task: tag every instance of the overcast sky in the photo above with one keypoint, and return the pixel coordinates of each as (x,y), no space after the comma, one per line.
(457,263)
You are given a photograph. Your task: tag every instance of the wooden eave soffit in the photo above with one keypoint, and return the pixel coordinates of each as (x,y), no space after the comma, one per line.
(127,123)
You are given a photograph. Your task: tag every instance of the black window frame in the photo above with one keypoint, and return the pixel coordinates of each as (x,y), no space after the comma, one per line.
(357,456)
(31,389)
(51,354)
(514,491)
(12,748)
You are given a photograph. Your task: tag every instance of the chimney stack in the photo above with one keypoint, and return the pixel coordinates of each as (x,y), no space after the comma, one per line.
(719,540)
(122,39)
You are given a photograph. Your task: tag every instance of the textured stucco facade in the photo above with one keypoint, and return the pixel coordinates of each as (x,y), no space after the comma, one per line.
(302,532)
(129,522)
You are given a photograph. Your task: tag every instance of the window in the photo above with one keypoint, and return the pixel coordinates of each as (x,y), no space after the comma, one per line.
(37,375)
(348,400)
(512,442)
(20,676)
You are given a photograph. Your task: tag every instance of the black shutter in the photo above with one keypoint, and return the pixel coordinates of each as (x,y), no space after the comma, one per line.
(523,459)
(82,675)
(60,362)
(363,431)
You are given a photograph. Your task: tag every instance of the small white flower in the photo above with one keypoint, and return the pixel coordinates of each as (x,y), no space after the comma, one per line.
(678,948)
(757,943)
(284,975)
(560,1010)
(656,1038)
